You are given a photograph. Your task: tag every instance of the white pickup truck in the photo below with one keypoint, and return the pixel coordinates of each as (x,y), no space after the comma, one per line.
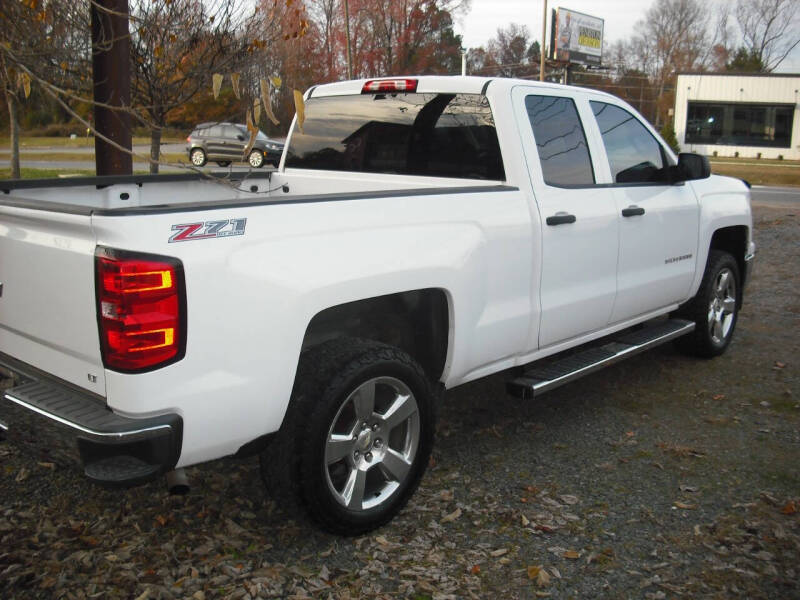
(419,233)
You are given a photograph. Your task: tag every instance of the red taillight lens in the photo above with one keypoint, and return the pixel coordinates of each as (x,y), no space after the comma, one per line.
(379,86)
(141,306)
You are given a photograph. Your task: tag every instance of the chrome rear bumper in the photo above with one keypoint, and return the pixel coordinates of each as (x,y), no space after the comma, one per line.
(59,423)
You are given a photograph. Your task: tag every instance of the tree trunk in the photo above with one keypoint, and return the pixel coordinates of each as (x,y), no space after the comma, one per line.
(111,52)
(155,148)
(14,126)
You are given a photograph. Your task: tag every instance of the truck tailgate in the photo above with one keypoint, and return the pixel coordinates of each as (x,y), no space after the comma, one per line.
(47,295)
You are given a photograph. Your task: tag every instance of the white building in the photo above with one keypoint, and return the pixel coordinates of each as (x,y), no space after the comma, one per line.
(739,115)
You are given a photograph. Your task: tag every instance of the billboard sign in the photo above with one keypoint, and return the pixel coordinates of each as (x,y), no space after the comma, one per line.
(576,37)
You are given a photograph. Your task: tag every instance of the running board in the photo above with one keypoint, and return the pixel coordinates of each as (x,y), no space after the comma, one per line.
(548,375)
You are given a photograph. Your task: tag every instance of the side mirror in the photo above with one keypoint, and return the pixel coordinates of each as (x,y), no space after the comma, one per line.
(693,166)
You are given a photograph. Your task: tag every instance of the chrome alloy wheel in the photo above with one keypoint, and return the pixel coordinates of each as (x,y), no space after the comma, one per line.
(372,443)
(256,159)
(198,157)
(722,310)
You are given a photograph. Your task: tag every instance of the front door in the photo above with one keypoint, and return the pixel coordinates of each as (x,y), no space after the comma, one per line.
(658,221)
(579,229)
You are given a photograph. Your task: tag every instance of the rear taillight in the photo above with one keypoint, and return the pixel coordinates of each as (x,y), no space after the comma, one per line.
(141,309)
(380,86)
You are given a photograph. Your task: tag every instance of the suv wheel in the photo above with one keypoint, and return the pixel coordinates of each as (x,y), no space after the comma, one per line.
(198,157)
(256,159)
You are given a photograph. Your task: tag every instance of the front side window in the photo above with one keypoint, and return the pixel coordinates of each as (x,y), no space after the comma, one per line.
(560,141)
(634,155)
(438,135)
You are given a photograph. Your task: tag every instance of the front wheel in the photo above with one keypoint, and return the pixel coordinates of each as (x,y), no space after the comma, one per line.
(714,309)
(357,436)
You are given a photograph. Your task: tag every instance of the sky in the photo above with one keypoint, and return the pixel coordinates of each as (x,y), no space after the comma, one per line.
(485,16)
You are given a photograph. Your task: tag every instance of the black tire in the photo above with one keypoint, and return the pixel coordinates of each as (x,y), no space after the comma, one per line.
(256,159)
(223,163)
(714,310)
(198,157)
(297,467)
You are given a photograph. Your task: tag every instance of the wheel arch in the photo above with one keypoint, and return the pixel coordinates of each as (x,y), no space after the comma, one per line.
(734,240)
(416,321)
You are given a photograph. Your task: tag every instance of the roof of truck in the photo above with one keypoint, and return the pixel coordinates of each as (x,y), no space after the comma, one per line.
(441,84)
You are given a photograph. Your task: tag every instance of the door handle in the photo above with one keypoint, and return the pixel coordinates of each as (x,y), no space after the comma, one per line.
(632,211)
(560,218)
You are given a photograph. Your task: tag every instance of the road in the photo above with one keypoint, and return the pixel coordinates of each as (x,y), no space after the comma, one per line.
(775,197)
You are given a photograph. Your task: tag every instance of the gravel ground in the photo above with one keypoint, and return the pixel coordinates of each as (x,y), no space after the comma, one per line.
(661,477)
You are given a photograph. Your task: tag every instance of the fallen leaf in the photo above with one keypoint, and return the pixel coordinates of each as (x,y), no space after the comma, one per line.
(688,488)
(542,578)
(571,554)
(22,475)
(47,465)
(779,364)
(718,397)
(525,521)
(790,508)
(568,499)
(685,506)
(499,552)
(533,571)
(452,516)
(475,569)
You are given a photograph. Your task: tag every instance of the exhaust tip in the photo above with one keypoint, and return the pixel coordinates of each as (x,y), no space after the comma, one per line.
(178,482)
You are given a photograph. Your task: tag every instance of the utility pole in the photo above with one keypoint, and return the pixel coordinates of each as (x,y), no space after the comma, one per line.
(111,55)
(347,39)
(544,35)
(463,64)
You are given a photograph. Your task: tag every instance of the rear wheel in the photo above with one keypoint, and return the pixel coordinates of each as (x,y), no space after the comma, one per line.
(256,159)
(714,309)
(357,436)
(198,157)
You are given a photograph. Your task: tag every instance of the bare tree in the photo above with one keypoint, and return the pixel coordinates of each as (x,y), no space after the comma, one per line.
(770,29)
(176,46)
(672,37)
(512,52)
(40,40)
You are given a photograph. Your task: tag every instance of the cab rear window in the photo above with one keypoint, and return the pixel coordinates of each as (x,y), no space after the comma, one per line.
(439,135)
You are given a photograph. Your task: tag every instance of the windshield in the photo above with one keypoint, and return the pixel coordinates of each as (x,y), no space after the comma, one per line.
(442,135)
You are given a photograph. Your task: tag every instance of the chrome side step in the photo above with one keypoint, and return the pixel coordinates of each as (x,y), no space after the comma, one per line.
(550,374)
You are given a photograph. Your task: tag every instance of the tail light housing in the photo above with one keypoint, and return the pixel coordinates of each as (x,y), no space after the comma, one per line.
(141,309)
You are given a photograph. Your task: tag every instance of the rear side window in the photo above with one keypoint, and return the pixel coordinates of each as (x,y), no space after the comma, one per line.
(439,135)
(560,141)
(634,155)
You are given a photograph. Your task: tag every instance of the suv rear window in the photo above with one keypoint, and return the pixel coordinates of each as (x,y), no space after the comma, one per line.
(440,135)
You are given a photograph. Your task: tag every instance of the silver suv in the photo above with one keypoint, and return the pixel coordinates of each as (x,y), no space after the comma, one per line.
(226,142)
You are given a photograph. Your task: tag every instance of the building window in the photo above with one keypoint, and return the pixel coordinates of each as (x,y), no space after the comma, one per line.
(738,124)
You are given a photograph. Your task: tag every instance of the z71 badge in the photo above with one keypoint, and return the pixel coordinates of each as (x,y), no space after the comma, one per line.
(186,232)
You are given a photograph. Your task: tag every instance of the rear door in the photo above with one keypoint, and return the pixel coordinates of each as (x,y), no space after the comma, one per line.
(578,217)
(234,147)
(48,315)
(658,221)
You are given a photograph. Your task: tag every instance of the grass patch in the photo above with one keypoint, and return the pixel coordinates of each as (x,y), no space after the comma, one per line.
(84,156)
(79,142)
(758,175)
(32,173)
